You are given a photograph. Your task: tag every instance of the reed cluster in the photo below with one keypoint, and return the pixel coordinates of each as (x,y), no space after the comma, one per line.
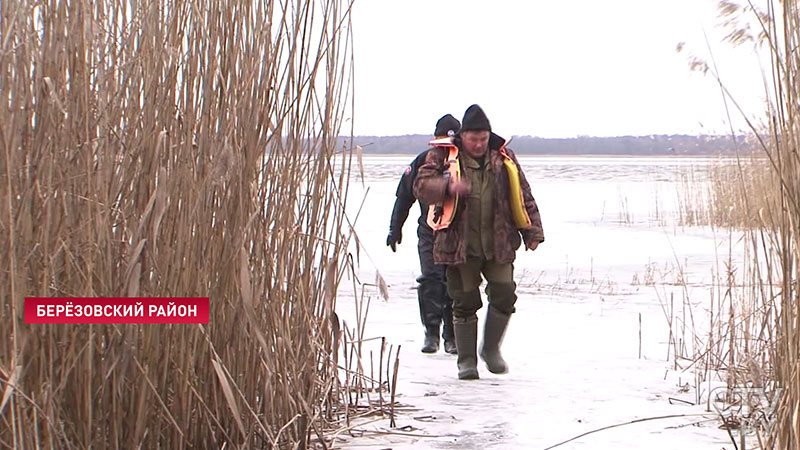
(174,148)
(754,333)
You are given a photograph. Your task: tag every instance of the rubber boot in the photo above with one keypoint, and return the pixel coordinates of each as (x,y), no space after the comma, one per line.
(466,331)
(494,329)
(431,344)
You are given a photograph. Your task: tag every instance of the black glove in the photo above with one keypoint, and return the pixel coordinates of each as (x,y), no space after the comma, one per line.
(394,238)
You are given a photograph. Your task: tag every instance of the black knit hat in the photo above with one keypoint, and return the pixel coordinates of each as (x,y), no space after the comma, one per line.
(445,124)
(475,119)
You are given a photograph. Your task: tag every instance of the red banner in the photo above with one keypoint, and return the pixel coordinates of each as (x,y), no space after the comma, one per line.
(116,310)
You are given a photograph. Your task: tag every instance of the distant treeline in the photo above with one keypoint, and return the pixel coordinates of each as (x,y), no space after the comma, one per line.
(583,145)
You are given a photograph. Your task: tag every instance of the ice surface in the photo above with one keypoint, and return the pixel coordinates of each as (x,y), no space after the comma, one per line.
(615,256)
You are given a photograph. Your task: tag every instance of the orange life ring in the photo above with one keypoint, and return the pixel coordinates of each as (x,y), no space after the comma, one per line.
(441,215)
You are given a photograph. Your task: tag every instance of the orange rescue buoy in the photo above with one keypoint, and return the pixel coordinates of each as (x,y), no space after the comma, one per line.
(441,215)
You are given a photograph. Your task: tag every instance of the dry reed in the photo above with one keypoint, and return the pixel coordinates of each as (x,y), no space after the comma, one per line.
(732,194)
(754,335)
(174,148)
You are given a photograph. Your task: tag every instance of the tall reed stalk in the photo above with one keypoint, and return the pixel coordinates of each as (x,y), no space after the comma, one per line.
(173,148)
(758,340)
(776,245)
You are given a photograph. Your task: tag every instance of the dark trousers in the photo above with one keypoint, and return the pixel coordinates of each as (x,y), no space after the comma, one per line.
(464,280)
(435,306)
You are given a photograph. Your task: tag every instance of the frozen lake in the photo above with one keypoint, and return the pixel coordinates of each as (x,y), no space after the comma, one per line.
(589,344)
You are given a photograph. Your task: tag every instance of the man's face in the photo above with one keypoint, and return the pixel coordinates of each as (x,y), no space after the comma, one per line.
(475,143)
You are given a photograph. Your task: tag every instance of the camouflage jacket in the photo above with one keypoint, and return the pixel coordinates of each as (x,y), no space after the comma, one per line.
(450,245)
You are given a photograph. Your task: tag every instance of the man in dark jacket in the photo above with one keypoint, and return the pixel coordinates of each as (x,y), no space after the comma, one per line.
(435,306)
(482,238)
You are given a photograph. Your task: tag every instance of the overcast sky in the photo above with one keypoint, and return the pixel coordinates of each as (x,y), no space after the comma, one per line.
(555,68)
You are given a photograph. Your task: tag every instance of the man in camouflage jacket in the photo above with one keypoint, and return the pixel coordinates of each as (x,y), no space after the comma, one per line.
(482,238)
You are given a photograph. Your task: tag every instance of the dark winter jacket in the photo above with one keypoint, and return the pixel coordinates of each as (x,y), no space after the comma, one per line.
(405,199)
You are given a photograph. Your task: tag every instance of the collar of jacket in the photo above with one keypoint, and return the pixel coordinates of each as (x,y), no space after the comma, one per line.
(495,141)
